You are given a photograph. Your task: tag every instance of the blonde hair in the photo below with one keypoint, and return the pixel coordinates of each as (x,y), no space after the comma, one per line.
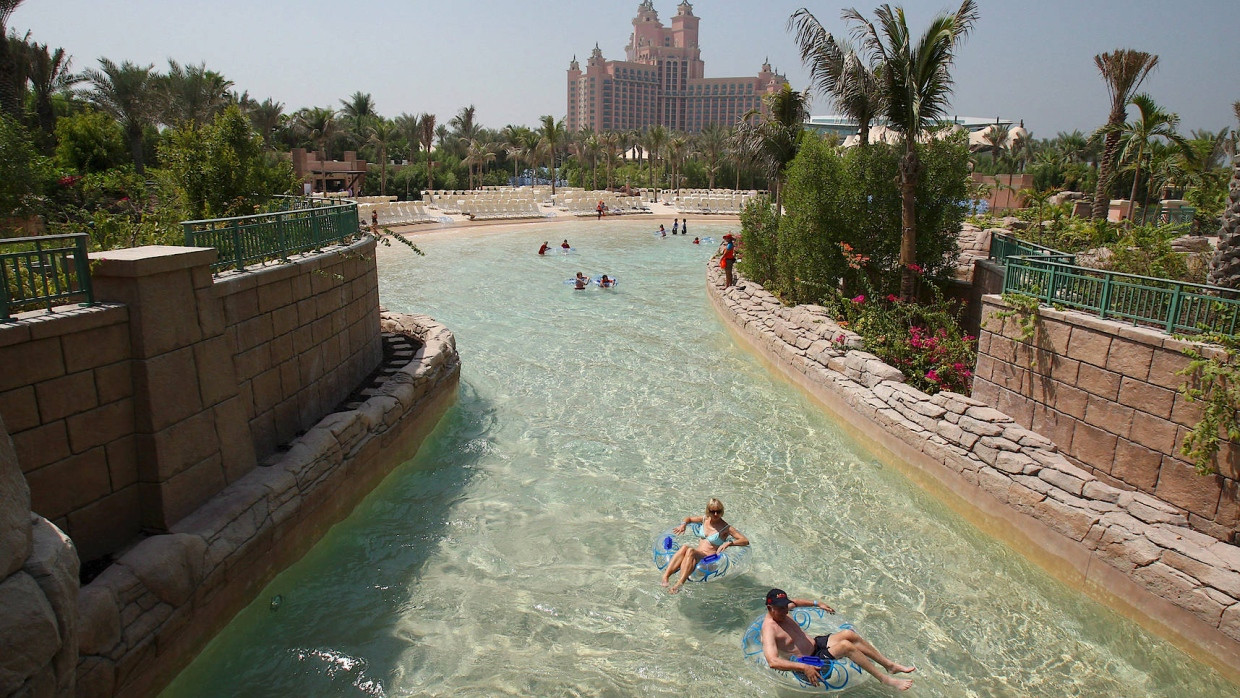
(714,504)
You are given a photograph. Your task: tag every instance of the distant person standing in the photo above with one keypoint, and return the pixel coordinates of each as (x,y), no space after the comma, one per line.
(684,227)
(729,259)
(374,221)
(662,231)
(565,246)
(599,208)
(675,226)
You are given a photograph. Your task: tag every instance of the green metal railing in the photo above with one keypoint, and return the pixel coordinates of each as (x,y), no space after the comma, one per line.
(42,272)
(1172,306)
(1003,246)
(305,224)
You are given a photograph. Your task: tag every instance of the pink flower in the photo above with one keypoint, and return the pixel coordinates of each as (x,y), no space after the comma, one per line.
(959,367)
(915,267)
(891,298)
(932,376)
(839,339)
(859,299)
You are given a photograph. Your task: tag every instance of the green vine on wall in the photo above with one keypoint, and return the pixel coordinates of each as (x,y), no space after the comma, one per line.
(1023,309)
(1213,381)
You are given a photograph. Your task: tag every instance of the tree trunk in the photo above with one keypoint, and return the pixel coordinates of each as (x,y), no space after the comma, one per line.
(1132,197)
(910,170)
(1102,197)
(135,148)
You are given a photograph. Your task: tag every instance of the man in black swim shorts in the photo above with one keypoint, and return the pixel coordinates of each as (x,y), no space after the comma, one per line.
(783,638)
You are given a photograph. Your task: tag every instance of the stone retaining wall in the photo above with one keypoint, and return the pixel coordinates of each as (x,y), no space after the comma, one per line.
(1129,548)
(38,592)
(1107,393)
(66,396)
(303,336)
(146,616)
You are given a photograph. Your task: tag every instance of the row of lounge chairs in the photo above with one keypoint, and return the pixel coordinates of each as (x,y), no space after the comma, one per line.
(397,213)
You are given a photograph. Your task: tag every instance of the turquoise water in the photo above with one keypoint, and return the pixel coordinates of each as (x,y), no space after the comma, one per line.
(511,555)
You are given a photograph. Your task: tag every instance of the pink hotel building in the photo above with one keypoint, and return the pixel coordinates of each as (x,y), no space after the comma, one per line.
(661,81)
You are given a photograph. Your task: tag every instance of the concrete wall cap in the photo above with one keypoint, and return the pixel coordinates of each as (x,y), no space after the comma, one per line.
(150,260)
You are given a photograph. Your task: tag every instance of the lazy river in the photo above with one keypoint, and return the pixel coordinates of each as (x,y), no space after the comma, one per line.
(511,556)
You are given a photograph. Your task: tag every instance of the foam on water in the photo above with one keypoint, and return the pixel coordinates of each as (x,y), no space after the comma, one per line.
(511,556)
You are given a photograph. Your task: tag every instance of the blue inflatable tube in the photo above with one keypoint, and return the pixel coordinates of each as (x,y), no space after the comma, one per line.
(835,674)
(710,568)
(611,281)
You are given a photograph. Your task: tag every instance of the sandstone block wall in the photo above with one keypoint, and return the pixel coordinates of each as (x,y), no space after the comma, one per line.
(1132,548)
(66,396)
(130,415)
(303,336)
(146,616)
(1107,394)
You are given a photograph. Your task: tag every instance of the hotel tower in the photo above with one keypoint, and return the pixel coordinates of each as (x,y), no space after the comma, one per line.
(661,81)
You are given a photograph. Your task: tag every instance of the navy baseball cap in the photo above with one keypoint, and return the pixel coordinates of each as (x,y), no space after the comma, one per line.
(777,597)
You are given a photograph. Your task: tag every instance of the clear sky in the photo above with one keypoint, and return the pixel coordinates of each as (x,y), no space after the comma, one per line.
(1028,59)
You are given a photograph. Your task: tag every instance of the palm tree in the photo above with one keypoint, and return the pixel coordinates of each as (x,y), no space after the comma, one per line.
(318,124)
(478,153)
(996,142)
(464,128)
(426,131)
(837,71)
(611,154)
(772,139)
(128,93)
(267,116)
(1073,146)
(677,151)
(552,133)
(382,134)
(358,109)
(193,94)
(9,92)
(654,140)
(916,83)
(1123,71)
(1138,136)
(712,143)
(49,75)
(590,149)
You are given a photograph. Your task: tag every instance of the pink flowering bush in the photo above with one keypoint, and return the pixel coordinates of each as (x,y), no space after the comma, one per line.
(924,341)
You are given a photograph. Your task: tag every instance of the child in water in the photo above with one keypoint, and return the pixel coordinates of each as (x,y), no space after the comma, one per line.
(662,232)
(606,282)
(543,249)
(695,241)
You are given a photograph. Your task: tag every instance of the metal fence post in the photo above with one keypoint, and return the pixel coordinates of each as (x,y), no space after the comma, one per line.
(1174,313)
(238,255)
(81,260)
(1106,296)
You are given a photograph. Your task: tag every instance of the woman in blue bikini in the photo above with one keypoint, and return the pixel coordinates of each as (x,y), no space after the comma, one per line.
(717,534)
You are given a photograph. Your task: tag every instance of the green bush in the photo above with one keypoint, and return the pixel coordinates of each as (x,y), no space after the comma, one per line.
(759,242)
(89,141)
(852,199)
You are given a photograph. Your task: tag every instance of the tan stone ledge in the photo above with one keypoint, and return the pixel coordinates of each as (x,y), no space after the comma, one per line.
(963,482)
(146,617)
(61,320)
(230,281)
(150,260)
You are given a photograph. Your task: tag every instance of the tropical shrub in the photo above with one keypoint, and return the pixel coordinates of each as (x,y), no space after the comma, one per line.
(924,341)
(89,141)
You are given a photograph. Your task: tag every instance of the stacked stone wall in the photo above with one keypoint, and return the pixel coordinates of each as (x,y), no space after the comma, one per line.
(38,592)
(66,396)
(1108,395)
(1133,549)
(303,335)
(145,617)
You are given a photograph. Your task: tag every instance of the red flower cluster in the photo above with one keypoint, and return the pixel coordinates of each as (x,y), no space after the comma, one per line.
(68,180)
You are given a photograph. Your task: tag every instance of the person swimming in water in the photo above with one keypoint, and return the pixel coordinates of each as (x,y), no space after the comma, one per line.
(717,535)
(662,232)
(564,245)
(543,249)
(782,637)
(695,241)
(606,282)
